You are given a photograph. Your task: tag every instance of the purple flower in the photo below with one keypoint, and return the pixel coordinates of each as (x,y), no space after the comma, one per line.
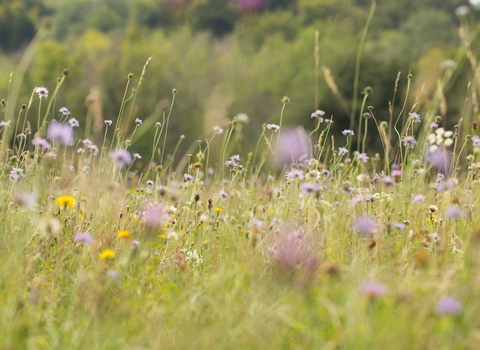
(16,174)
(28,200)
(440,160)
(291,145)
(445,186)
(398,225)
(361,156)
(294,174)
(138,122)
(64,111)
(41,143)
(373,289)
(348,132)
(415,117)
(121,157)
(153,215)
(365,225)
(454,212)
(60,133)
(418,198)
(342,151)
(273,127)
(397,173)
(475,141)
(318,114)
(188,178)
(108,122)
(449,306)
(41,91)
(409,141)
(84,237)
(309,188)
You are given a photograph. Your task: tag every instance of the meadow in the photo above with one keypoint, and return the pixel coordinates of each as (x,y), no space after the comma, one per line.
(309,240)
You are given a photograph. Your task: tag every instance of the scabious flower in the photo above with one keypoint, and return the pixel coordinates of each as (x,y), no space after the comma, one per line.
(84,237)
(41,91)
(217,130)
(153,215)
(448,306)
(365,225)
(475,141)
(65,201)
(318,114)
(60,133)
(418,198)
(121,157)
(342,151)
(64,111)
(415,117)
(308,188)
(108,122)
(137,156)
(138,122)
(273,127)
(361,156)
(41,143)
(188,178)
(28,200)
(454,212)
(233,162)
(373,289)
(409,141)
(16,174)
(294,174)
(291,146)
(73,123)
(348,132)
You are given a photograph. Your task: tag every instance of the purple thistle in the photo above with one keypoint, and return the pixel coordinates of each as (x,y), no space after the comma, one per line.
(475,141)
(121,157)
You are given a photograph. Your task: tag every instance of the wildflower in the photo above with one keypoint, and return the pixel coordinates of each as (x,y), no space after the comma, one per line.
(415,117)
(124,234)
(440,160)
(223,195)
(373,289)
(474,125)
(445,186)
(107,254)
(434,236)
(65,201)
(309,188)
(188,178)
(291,146)
(217,130)
(361,156)
(73,123)
(137,156)
(28,200)
(475,141)
(84,237)
(434,126)
(256,224)
(409,141)
(150,183)
(16,174)
(462,11)
(41,143)
(318,114)
(242,118)
(448,306)
(418,198)
(153,215)
(60,133)
(358,199)
(233,162)
(273,127)
(193,257)
(108,122)
(365,225)
(113,275)
(138,121)
(342,151)
(217,209)
(348,132)
(121,157)
(454,212)
(398,225)
(294,174)
(86,169)
(397,174)
(49,227)
(64,111)
(41,91)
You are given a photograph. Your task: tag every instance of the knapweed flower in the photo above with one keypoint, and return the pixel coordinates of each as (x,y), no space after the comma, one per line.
(41,91)
(84,237)
(448,306)
(409,141)
(138,122)
(217,130)
(16,174)
(454,212)
(414,117)
(273,127)
(73,123)
(365,225)
(41,143)
(60,133)
(107,254)
(64,111)
(65,201)
(121,157)
(124,234)
(342,151)
(373,289)
(348,132)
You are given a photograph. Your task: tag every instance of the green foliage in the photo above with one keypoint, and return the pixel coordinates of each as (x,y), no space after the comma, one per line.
(218,16)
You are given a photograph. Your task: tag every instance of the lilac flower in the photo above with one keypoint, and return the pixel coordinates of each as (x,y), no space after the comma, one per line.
(217,130)
(309,188)
(449,306)
(440,160)
(121,157)
(348,132)
(294,174)
(73,122)
(398,225)
(454,212)
(418,198)
(365,225)
(409,141)
(108,122)
(291,146)
(138,122)
(60,133)
(415,117)
(358,199)
(318,114)
(445,186)
(16,174)
(41,143)
(223,195)
(273,127)
(64,111)
(361,156)
(342,151)
(153,215)
(41,91)
(84,237)
(387,180)
(373,289)
(28,200)
(475,141)
(188,178)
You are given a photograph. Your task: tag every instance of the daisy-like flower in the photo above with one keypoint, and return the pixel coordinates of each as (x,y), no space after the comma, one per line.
(107,254)
(273,127)
(64,111)
(121,157)
(217,130)
(475,141)
(65,201)
(415,117)
(41,143)
(318,114)
(150,183)
(73,123)
(108,122)
(41,91)
(348,132)
(137,156)
(188,178)
(309,188)
(294,174)
(409,141)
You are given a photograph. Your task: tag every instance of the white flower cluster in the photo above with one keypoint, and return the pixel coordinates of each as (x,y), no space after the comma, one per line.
(439,138)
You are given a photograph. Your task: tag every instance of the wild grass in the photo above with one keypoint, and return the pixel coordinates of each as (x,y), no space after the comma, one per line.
(316,244)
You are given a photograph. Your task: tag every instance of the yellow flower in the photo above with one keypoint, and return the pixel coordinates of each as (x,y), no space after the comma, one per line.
(217,209)
(124,234)
(107,254)
(65,201)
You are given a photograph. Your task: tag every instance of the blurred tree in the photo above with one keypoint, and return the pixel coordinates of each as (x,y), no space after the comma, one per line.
(218,16)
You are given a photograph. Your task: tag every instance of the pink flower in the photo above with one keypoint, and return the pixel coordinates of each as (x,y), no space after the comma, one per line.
(373,289)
